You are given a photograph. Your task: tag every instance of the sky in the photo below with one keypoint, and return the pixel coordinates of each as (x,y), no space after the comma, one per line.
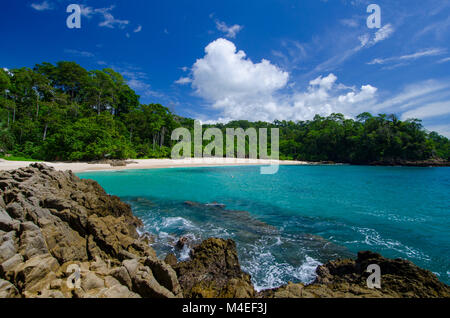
(255,60)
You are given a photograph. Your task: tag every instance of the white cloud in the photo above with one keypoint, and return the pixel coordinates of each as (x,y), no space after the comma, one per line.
(353,23)
(441,129)
(380,35)
(383,33)
(238,88)
(45,5)
(79,53)
(409,57)
(224,72)
(230,31)
(444,60)
(87,11)
(138,29)
(109,20)
(241,89)
(429,110)
(439,29)
(183,81)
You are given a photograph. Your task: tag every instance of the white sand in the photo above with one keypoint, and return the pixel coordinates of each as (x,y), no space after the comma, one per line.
(151,164)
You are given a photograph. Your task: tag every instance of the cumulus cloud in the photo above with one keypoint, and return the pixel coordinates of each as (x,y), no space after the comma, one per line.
(138,29)
(43,6)
(225,73)
(242,89)
(230,31)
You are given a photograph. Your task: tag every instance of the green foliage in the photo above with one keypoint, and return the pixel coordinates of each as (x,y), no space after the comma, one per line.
(64,112)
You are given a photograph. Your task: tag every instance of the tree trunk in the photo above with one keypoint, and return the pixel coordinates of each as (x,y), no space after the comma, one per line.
(45,132)
(37,108)
(161,142)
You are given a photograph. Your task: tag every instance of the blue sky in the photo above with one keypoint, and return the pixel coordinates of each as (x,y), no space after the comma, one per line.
(255,60)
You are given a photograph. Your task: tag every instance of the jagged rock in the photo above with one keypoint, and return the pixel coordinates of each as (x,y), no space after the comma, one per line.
(8,267)
(214,271)
(348,278)
(7,224)
(164,274)
(48,218)
(181,242)
(119,291)
(91,281)
(121,274)
(8,247)
(34,270)
(145,284)
(32,241)
(171,259)
(8,290)
(110,233)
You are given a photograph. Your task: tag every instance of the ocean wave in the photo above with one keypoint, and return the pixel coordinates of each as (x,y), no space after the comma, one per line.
(268,272)
(373,238)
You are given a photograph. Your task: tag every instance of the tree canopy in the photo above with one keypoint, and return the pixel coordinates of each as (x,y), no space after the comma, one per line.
(64,112)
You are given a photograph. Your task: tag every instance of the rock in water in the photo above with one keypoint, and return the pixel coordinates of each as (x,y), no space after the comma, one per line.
(348,278)
(214,271)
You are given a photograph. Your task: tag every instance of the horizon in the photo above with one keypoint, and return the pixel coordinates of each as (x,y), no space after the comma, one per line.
(265,61)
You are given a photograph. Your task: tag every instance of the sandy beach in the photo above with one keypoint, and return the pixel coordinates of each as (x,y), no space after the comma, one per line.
(150,164)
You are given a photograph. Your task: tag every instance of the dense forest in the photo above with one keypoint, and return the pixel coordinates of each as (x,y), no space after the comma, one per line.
(64,112)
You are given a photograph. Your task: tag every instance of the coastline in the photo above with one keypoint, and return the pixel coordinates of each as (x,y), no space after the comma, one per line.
(149,164)
(51,221)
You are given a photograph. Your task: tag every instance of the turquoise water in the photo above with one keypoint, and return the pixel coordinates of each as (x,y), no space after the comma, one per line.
(288,223)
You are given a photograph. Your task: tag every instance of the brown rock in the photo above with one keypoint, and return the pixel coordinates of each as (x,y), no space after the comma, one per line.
(214,271)
(8,290)
(171,259)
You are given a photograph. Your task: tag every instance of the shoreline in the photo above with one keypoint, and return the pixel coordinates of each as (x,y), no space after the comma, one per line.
(136,164)
(71,225)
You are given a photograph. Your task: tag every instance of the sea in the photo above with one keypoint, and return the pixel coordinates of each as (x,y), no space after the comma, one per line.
(288,223)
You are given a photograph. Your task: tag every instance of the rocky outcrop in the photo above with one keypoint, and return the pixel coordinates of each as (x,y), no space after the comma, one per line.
(214,271)
(348,278)
(61,236)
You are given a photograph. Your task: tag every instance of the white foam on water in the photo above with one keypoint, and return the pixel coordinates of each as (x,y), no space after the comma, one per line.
(373,238)
(268,273)
(184,254)
(178,222)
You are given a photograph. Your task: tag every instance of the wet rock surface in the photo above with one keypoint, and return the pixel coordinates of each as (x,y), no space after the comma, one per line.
(348,278)
(61,236)
(214,271)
